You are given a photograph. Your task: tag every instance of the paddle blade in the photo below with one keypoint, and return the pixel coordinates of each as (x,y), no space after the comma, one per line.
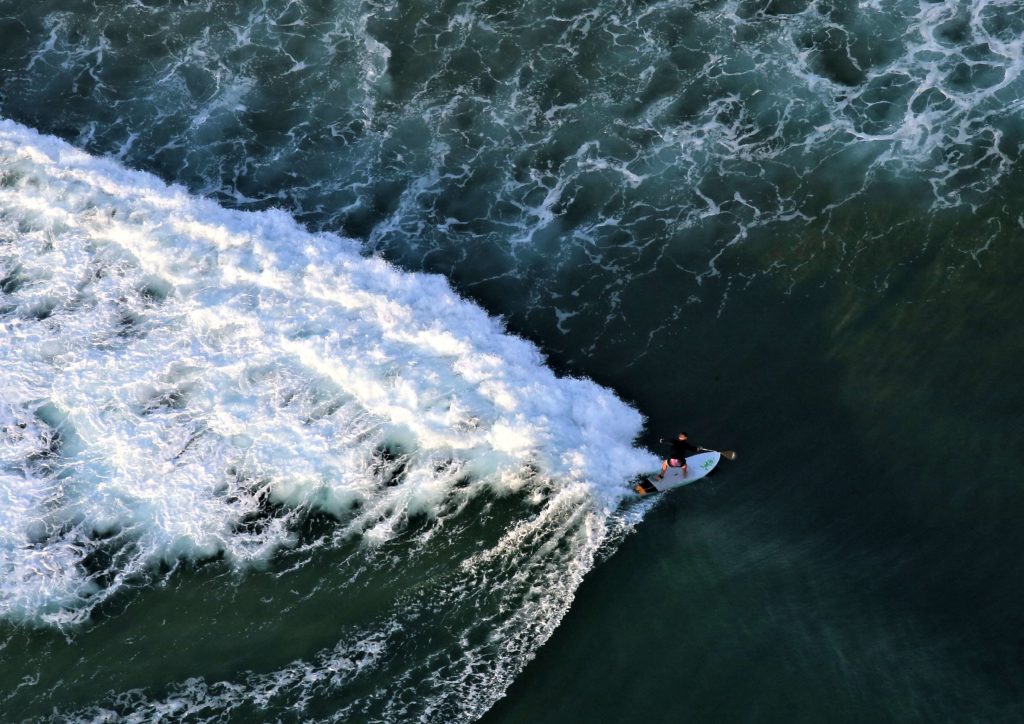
(729,454)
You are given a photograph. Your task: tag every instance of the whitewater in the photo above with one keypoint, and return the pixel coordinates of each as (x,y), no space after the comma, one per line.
(186,383)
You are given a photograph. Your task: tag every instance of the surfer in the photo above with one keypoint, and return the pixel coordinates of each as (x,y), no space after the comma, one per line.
(681,448)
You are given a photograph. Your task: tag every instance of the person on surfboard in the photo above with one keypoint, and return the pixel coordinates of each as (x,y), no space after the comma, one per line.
(681,448)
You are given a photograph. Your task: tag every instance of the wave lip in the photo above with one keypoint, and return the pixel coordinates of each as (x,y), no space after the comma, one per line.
(174,367)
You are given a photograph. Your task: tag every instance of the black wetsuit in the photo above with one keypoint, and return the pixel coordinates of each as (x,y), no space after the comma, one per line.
(681,449)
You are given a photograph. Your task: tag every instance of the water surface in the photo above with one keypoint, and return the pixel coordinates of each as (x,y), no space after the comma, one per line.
(254,472)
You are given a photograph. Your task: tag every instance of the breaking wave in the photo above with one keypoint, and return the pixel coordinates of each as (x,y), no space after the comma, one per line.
(185,382)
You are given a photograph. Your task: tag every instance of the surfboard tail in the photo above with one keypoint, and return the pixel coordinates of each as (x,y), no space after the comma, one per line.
(644,487)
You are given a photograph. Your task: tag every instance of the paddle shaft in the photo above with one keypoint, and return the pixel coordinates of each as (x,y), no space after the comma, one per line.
(727,454)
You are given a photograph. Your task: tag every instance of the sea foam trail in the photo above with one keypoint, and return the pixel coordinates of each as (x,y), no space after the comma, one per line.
(171,368)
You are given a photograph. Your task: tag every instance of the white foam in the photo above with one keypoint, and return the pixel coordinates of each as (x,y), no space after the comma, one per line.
(171,366)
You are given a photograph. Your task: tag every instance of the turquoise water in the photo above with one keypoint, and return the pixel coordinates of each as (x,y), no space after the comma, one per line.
(791,228)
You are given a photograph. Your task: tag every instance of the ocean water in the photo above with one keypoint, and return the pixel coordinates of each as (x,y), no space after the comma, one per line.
(332,334)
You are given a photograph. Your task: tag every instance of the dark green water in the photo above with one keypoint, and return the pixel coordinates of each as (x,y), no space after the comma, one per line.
(792,228)
(857,565)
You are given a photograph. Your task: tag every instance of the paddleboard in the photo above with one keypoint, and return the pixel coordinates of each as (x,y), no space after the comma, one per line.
(697,466)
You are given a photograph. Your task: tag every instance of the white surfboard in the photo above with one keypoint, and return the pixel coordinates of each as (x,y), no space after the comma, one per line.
(697,466)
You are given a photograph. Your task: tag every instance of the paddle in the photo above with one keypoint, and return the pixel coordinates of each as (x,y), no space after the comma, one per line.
(727,454)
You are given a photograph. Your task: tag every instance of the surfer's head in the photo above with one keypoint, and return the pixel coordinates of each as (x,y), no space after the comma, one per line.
(682,436)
